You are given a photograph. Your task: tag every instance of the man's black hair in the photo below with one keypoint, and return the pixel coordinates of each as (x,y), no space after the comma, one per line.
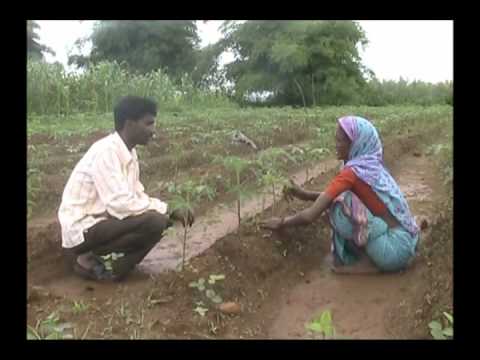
(133,108)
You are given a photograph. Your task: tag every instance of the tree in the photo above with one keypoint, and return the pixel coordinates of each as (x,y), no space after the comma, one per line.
(207,72)
(145,45)
(299,62)
(35,50)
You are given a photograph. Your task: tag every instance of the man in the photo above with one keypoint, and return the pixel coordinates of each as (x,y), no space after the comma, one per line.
(104,208)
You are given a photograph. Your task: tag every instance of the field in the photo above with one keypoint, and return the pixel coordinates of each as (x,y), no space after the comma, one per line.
(278,282)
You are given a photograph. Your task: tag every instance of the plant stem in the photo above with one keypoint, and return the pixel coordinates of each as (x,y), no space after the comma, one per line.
(184,242)
(175,174)
(238,212)
(238,200)
(314,103)
(273,205)
(86,331)
(301,93)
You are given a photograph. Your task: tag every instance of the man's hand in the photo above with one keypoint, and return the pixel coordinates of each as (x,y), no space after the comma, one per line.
(272,223)
(186,216)
(291,191)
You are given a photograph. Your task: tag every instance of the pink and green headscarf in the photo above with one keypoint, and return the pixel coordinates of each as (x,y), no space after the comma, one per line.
(366,160)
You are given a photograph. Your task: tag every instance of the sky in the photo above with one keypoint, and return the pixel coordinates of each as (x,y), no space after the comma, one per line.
(411,49)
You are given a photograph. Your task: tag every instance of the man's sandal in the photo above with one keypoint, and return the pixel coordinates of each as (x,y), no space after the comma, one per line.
(97,273)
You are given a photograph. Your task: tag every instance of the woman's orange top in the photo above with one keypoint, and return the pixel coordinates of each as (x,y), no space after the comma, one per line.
(348,180)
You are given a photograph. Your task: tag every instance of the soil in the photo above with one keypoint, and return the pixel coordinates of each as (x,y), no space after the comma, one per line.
(278,281)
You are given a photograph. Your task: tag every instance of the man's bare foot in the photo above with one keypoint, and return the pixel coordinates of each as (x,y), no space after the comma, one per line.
(363,266)
(87,260)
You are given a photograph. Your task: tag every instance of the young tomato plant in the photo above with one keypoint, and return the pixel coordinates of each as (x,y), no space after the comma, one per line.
(186,197)
(236,166)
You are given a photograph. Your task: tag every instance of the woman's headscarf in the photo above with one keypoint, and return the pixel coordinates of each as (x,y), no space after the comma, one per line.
(366,160)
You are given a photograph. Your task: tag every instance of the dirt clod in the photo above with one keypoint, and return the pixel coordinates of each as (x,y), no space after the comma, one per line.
(230,308)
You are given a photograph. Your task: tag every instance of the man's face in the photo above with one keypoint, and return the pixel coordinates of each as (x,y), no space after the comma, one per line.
(142,130)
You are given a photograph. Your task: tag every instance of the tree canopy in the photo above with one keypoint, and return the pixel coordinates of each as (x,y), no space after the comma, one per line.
(300,62)
(35,50)
(144,46)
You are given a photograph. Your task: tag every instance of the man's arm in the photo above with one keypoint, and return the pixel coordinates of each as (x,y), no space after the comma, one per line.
(155,204)
(113,189)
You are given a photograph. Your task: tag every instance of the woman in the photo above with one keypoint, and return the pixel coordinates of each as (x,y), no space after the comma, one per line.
(373,229)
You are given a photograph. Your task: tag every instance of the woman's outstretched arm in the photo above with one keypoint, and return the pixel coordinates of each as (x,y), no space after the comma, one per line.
(308,195)
(310,214)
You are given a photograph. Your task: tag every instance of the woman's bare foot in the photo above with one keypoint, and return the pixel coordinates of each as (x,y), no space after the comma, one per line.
(363,266)
(332,261)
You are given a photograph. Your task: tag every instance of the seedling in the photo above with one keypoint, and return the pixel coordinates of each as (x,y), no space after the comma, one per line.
(200,310)
(442,333)
(213,296)
(49,329)
(214,278)
(109,259)
(236,166)
(79,307)
(200,284)
(322,324)
(186,196)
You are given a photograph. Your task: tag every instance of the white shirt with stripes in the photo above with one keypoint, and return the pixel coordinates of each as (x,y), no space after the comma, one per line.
(104,182)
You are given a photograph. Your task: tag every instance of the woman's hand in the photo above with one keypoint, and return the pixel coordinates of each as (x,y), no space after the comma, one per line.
(272,223)
(291,191)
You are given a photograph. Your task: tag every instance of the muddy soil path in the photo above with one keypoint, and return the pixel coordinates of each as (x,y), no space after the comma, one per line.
(359,303)
(216,224)
(280,281)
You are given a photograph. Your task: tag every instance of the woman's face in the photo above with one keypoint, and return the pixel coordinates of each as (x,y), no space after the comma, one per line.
(342,144)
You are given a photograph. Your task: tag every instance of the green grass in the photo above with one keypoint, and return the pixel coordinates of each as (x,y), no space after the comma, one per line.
(62,126)
(50,90)
(33,187)
(200,134)
(264,121)
(50,329)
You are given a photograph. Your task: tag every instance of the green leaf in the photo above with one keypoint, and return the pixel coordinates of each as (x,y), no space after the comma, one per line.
(210,293)
(326,318)
(449,317)
(116,256)
(53,317)
(329,331)
(53,336)
(201,287)
(323,323)
(63,326)
(437,334)
(217,299)
(214,278)
(435,325)
(200,310)
(448,332)
(314,326)
(32,334)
